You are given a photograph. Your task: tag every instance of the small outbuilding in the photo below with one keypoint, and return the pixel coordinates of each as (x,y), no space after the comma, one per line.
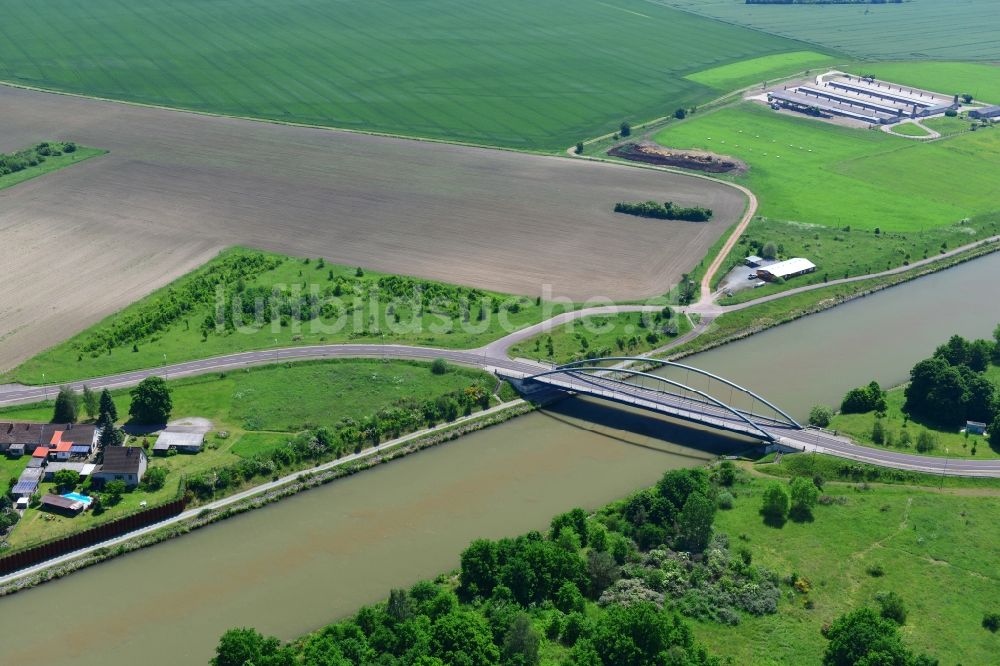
(786,269)
(753,261)
(60,504)
(975,428)
(182,442)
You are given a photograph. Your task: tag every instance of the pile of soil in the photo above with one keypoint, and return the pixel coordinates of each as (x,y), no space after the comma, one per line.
(690,159)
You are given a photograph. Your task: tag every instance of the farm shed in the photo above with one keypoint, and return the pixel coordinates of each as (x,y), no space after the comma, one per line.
(786,269)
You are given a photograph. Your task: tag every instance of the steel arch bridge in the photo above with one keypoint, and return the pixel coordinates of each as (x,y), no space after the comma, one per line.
(756,416)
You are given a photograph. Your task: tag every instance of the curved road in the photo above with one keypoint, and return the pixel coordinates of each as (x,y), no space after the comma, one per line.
(493,356)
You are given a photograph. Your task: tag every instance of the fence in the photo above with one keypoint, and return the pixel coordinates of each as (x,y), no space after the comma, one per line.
(95,535)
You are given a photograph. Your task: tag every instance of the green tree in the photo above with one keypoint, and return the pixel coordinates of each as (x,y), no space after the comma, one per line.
(568,598)
(626,129)
(66,479)
(863,638)
(926,441)
(107,407)
(579,148)
(479,565)
(151,402)
(641,634)
(680,114)
(109,434)
(769,250)
(66,406)
(804,495)
(462,638)
(90,402)
(991,621)
(155,478)
(878,432)
(776,503)
(694,523)
(891,607)
(602,568)
(820,416)
(245,646)
(114,491)
(520,644)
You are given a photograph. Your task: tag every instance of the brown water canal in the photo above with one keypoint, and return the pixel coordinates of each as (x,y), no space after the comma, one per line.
(315,557)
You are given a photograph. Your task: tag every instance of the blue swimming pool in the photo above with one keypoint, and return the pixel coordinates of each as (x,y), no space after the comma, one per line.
(79,498)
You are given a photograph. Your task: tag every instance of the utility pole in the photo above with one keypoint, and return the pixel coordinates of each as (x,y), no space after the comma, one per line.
(166,373)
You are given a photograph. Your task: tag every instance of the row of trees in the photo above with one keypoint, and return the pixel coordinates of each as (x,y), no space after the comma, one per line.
(348,435)
(31,157)
(141,321)
(150,404)
(665,211)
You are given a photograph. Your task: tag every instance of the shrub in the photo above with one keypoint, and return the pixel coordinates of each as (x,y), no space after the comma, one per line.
(726,500)
(951,113)
(820,416)
(876,571)
(665,211)
(991,621)
(891,607)
(439,366)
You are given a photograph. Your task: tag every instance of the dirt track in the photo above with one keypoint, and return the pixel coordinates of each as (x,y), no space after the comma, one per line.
(177,187)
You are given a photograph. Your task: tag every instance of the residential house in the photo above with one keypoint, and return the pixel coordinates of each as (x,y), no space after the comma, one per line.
(122,463)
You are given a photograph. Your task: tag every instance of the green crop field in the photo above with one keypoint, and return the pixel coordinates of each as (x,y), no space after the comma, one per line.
(935,548)
(809,171)
(922,29)
(980,80)
(538,75)
(755,70)
(285,301)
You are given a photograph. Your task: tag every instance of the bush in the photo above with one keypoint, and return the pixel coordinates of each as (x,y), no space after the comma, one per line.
(891,607)
(951,113)
(870,398)
(776,503)
(991,621)
(926,441)
(820,416)
(876,571)
(439,366)
(726,500)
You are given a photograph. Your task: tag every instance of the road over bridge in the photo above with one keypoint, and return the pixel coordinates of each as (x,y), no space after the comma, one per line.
(766,423)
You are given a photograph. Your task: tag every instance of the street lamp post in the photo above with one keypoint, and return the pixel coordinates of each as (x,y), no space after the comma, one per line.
(276,350)
(45,387)
(166,373)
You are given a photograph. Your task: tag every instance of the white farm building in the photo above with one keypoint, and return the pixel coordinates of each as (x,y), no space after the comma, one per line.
(786,269)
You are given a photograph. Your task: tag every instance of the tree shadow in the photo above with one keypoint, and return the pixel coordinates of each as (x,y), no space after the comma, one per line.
(803,515)
(777,522)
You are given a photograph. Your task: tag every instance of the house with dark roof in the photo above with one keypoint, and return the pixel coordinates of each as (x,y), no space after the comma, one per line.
(17,439)
(122,463)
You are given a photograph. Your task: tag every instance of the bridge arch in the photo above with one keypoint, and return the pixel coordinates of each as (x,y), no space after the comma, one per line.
(577,365)
(656,378)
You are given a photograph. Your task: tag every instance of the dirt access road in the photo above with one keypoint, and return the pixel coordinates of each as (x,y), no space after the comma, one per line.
(177,187)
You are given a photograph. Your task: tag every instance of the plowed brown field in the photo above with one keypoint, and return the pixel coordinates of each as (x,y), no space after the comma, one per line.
(80,243)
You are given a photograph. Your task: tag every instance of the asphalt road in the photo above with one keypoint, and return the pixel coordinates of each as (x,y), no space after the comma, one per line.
(494,356)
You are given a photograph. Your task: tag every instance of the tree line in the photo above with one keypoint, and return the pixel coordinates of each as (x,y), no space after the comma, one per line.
(665,211)
(611,588)
(32,157)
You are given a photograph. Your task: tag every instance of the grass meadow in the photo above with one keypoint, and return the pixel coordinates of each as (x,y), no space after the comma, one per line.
(757,70)
(949,444)
(937,549)
(922,30)
(538,75)
(981,80)
(911,129)
(365,312)
(624,334)
(840,253)
(808,171)
(258,409)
